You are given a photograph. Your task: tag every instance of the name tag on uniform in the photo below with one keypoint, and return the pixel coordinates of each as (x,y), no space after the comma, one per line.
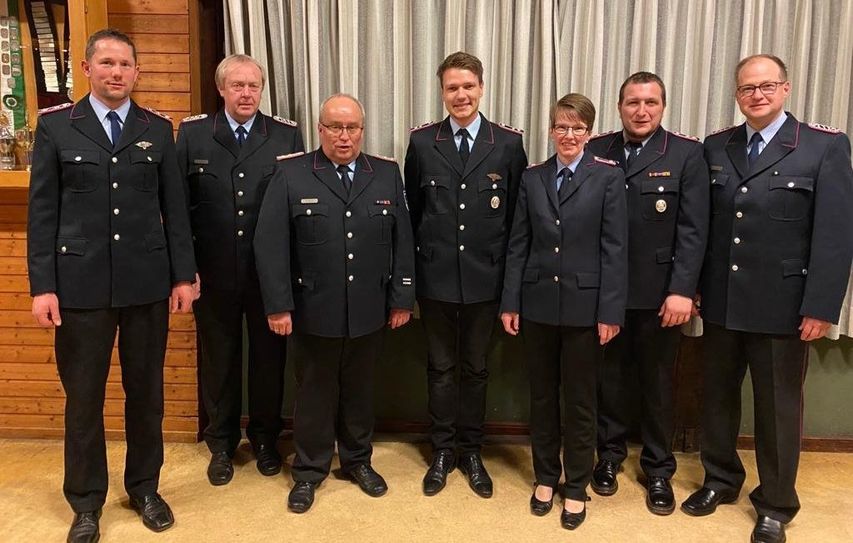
(716,168)
(309,201)
(660,174)
(200,161)
(383,202)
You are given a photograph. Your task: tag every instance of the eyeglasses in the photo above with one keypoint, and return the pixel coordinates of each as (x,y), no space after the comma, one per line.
(337,130)
(767,89)
(240,87)
(561,130)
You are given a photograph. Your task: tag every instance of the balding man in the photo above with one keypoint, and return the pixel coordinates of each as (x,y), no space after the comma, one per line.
(227,160)
(774,279)
(335,258)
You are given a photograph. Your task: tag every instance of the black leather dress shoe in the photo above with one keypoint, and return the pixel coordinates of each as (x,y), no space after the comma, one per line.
(478,478)
(443,462)
(538,507)
(368,480)
(659,497)
(220,470)
(156,515)
(705,501)
(301,496)
(768,530)
(84,528)
(269,461)
(570,521)
(604,478)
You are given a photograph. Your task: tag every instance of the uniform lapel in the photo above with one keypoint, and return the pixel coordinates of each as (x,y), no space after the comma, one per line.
(548,176)
(135,124)
(83,119)
(255,140)
(224,135)
(579,176)
(616,150)
(324,170)
(363,176)
(653,150)
(783,142)
(483,146)
(736,149)
(446,146)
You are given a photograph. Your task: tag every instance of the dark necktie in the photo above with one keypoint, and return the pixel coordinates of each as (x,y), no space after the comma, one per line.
(563,179)
(464,149)
(241,135)
(115,127)
(753,148)
(343,171)
(633,148)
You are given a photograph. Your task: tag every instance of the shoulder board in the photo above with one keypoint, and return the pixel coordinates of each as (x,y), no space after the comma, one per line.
(685,136)
(386,158)
(533,165)
(605,161)
(155,112)
(510,128)
(192,118)
(282,120)
(721,130)
(823,128)
(419,127)
(291,155)
(602,134)
(51,109)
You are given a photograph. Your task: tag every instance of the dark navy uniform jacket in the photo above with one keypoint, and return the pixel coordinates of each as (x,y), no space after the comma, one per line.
(107,227)
(225,185)
(339,261)
(781,232)
(567,259)
(461,215)
(667,190)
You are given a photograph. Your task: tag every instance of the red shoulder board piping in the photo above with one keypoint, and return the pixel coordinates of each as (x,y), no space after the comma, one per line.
(721,130)
(155,112)
(386,158)
(192,118)
(282,120)
(510,128)
(51,109)
(532,165)
(823,128)
(422,126)
(605,161)
(602,134)
(686,136)
(291,155)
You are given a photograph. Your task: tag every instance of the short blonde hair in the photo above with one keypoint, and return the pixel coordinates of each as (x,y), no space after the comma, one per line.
(228,62)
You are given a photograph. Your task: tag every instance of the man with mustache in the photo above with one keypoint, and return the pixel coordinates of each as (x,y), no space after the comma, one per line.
(227,160)
(462,176)
(666,182)
(109,252)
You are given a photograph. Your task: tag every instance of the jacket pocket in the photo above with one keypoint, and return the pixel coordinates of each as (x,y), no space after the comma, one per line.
(311,223)
(663,255)
(80,169)
(659,198)
(435,191)
(794,267)
(790,197)
(155,240)
(718,191)
(71,246)
(588,280)
(144,167)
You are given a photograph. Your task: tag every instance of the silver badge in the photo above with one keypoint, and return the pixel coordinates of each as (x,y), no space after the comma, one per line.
(495,202)
(660,206)
(143,144)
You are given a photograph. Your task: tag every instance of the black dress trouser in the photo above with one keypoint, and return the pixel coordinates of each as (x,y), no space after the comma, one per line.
(458,335)
(641,357)
(219,318)
(334,401)
(562,358)
(84,345)
(777,367)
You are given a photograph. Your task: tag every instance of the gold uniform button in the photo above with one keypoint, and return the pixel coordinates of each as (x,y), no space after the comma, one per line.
(660,188)
(239,193)
(494,186)
(461,247)
(558,222)
(432,182)
(556,249)
(149,159)
(240,233)
(737,241)
(350,278)
(790,184)
(307,211)
(200,170)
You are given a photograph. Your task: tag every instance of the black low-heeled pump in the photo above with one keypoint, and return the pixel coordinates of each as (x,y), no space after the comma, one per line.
(538,507)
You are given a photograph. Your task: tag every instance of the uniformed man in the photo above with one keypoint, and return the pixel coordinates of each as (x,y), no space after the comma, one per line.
(109,248)
(462,176)
(227,160)
(335,258)
(774,277)
(667,188)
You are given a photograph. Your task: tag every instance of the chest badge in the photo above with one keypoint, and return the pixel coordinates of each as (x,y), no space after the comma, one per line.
(495,202)
(143,144)
(660,206)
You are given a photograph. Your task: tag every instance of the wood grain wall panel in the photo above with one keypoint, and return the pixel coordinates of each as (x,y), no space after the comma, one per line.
(31,395)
